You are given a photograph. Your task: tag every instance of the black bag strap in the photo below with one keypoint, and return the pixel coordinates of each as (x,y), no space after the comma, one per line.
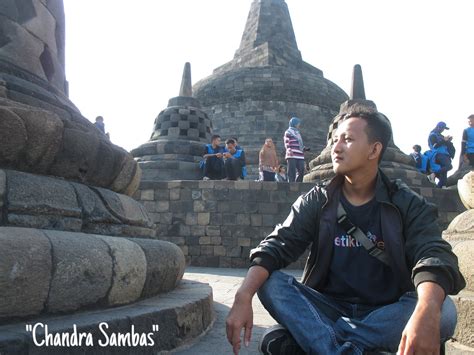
(360,236)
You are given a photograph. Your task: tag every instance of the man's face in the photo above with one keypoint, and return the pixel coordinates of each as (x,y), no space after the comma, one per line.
(216,141)
(351,149)
(230,147)
(470,121)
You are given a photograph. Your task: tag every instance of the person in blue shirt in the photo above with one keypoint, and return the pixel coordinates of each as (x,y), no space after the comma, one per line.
(234,161)
(213,163)
(442,150)
(99,123)
(416,155)
(467,146)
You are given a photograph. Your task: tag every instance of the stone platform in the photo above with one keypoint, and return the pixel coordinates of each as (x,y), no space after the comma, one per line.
(180,315)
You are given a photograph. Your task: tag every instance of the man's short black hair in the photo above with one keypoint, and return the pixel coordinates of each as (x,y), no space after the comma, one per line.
(417,148)
(230,141)
(378,127)
(215,136)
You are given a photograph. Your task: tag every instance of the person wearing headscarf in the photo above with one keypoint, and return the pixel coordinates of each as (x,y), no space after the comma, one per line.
(294,151)
(267,161)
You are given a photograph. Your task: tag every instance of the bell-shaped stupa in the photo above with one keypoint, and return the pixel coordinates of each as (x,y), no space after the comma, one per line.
(253,96)
(395,163)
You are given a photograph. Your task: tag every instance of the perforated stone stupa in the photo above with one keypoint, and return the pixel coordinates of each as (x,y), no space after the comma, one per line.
(252,96)
(178,140)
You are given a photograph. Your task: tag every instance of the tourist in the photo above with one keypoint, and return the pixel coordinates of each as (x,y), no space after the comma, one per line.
(467,150)
(442,151)
(234,161)
(267,161)
(416,155)
(238,147)
(280,175)
(421,160)
(99,123)
(351,298)
(294,151)
(213,163)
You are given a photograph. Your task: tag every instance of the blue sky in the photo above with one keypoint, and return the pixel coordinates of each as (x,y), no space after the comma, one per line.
(125,61)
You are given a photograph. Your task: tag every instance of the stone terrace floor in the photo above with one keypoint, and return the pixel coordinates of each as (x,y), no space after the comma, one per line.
(225,283)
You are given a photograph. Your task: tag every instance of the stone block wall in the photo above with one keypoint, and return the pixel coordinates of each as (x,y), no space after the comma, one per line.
(217,223)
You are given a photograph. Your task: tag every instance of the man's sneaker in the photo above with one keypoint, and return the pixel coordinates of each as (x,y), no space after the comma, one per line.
(278,341)
(206,178)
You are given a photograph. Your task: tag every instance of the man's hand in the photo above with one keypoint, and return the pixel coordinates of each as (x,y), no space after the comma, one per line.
(241,313)
(422,332)
(240,316)
(219,155)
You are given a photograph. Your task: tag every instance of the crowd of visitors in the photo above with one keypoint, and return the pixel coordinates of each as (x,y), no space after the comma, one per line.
(228,161)
(437,160)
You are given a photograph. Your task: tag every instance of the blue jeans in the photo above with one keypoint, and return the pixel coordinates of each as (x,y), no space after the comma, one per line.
(295,169)
(322,325)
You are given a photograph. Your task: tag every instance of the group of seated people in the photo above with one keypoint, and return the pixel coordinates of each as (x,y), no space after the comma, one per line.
(223,162)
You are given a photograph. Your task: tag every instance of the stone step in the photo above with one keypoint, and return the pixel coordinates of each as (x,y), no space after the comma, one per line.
(454,348)
(464,333)
(162,323)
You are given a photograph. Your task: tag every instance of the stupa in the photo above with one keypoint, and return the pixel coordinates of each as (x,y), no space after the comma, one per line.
(395,163)
(253,96)
(74,243)
(178,140)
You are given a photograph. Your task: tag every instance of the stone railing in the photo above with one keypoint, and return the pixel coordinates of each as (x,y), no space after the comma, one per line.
(217,223)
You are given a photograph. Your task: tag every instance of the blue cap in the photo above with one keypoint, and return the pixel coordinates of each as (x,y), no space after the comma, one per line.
(295,121)
(442,125)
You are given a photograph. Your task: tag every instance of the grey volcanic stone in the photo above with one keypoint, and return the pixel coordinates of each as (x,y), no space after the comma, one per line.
(12,137)
(93,208)
(181,315)
(39,195)
(3,187)
(253,96)
(165,265)
(56,140)
(82,271)
(464,251)
(129,266)
(464,333)
(125,208)
(25,271)
(44,131)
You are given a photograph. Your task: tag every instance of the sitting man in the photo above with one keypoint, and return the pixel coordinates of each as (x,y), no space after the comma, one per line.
(421,160)
(234,165)
(213,162)
(381,286)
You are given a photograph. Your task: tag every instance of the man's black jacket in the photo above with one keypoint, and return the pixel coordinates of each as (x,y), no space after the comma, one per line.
(411,235)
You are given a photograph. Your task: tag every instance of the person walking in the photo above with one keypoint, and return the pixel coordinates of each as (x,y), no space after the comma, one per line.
(294,151)
(267,161)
